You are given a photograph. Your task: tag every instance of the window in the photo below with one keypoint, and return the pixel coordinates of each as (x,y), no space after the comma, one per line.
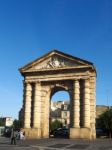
(65,114)
(65,107)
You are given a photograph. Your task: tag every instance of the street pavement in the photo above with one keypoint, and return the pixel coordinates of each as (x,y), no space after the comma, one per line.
(56,144)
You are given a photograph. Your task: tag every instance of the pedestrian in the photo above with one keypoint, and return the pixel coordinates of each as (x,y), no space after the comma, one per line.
(13,136)
(22,136)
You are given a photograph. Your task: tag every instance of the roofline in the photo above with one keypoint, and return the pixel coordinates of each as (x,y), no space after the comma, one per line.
(57,51)
(68,55)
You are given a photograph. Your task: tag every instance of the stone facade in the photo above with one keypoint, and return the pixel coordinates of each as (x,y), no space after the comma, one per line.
(7,121)
(54,72)
(60,110)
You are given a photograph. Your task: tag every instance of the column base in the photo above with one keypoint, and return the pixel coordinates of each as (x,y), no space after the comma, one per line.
(32,133)
(80,133)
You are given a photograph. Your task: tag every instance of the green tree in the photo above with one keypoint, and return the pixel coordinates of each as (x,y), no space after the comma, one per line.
(105,121)
(17,124)
(55,125)
(1,122)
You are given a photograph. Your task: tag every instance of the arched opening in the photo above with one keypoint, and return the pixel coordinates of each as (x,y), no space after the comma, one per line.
(59,119)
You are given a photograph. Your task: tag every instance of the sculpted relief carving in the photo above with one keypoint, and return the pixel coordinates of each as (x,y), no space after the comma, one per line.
(54,62)
(57,62)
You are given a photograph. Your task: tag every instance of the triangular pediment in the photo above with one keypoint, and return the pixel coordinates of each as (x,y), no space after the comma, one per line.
(55,60)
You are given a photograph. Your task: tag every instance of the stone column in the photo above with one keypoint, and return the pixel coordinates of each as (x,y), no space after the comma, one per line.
(86,104)
(23,107)
(37,106)
(27,105)
(93,106)
(76,103)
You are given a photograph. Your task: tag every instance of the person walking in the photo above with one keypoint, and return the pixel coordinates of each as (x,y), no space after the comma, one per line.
(13,137)
(22,136)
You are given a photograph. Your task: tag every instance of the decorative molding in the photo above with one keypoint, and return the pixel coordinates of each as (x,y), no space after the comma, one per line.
(57,62)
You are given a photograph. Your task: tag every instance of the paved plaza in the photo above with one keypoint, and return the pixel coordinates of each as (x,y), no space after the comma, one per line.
(56,144)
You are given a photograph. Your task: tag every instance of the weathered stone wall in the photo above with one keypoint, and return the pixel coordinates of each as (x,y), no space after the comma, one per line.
(55,72)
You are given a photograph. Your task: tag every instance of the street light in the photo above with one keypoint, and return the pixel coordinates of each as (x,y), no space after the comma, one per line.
(108,91)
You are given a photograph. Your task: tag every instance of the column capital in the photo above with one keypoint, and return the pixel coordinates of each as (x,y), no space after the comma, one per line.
(28,86)
(37,82)
(86,79)
(76,80)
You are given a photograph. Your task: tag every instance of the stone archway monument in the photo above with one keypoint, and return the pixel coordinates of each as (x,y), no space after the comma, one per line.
(53,72)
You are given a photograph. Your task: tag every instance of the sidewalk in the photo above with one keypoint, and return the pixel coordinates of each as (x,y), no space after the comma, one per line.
(68,144)
(57,144)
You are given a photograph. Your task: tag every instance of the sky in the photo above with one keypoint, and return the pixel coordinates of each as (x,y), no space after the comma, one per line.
(32,28)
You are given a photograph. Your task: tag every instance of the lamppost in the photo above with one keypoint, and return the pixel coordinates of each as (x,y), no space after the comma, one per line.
(107,98)
(108,91)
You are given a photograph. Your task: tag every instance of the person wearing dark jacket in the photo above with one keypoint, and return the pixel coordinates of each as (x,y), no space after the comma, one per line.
(13,137)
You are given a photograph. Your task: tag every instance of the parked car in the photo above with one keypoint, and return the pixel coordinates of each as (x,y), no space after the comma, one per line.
(100,133)
(61,133)
(7,131)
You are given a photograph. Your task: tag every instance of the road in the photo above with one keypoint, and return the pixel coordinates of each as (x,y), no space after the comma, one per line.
(56,144)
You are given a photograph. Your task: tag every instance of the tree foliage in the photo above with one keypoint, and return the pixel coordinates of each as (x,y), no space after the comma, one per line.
(55,125)
(105,121)
(17,124)
(1,122)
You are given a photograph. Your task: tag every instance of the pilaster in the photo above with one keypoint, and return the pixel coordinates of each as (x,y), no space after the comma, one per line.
(37,106)
(76,110)
(86,103)
(27,105)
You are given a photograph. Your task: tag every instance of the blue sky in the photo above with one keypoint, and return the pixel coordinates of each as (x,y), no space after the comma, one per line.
(31,28)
